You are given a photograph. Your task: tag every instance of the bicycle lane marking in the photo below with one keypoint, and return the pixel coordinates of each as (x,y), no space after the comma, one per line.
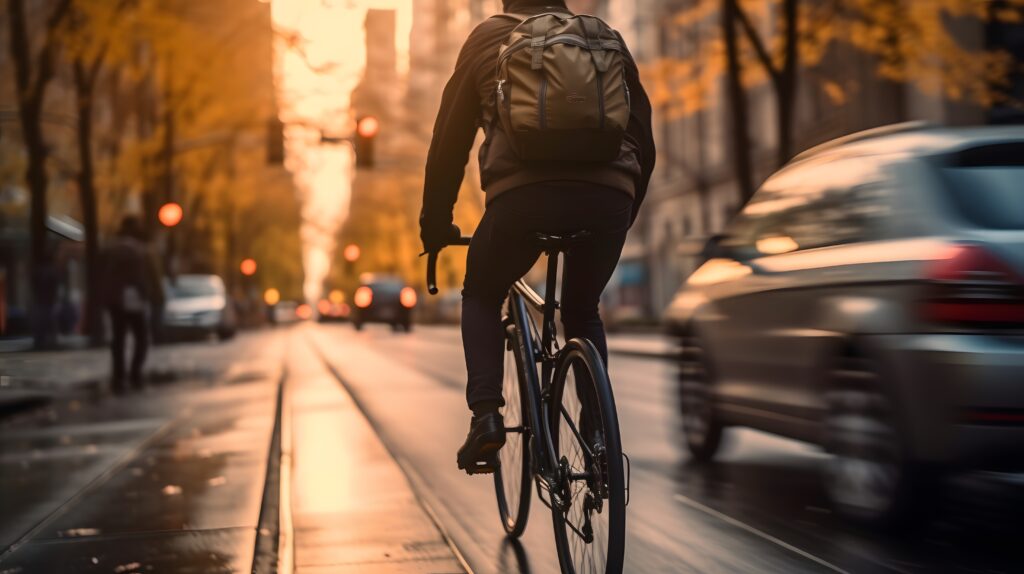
(756,532)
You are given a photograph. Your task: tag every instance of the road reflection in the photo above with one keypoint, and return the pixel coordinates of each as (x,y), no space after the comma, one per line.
(512,557)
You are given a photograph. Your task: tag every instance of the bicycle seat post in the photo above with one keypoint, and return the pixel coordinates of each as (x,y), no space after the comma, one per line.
(550,305)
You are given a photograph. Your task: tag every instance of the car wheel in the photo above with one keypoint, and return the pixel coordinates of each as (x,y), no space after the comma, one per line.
(702,426)
(869,477)
(358,325)
(226,334)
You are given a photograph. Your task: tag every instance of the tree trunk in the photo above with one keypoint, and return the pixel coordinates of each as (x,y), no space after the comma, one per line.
(740,136)
(785,89)
(31,89)
(85,81)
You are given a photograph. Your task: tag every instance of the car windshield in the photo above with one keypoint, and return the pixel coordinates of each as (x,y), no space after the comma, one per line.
(988,189)
(185,287)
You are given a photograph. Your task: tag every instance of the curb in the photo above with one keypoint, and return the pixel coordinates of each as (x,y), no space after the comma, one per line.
(16,400)
(266,550)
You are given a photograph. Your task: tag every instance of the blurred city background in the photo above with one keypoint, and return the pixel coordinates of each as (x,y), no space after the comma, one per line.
(273,152)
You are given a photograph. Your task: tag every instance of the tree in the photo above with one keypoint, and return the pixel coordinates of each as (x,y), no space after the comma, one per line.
(94,26)
(739,116)
(911,43)
(32,74)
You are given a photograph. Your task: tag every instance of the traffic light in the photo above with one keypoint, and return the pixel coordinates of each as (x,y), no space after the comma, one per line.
(366,131)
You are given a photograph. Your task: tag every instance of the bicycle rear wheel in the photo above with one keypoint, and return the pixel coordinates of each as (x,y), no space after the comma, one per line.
(512,480)
(590,521)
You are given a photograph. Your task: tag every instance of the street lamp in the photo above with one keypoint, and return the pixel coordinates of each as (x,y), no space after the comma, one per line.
(248,267)
(170,214)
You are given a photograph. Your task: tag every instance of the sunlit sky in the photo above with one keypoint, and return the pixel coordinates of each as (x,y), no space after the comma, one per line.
(315,80)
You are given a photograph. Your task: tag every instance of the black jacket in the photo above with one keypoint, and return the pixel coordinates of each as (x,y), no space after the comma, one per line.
(468,94)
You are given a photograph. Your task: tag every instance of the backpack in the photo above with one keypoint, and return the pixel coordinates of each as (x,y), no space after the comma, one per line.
(561,93)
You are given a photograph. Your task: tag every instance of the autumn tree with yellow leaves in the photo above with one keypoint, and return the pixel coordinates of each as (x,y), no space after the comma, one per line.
(171,101)
(910,42)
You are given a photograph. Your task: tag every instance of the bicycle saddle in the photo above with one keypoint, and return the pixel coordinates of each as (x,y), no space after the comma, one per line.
(561,243)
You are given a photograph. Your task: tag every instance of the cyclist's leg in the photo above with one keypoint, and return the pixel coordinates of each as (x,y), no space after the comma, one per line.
(499,254)
(588,268)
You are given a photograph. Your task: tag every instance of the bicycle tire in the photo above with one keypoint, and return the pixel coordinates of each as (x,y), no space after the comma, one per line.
(513,478)
(580,368)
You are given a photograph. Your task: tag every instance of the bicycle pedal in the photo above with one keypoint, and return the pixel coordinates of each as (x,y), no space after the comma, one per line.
(482,467)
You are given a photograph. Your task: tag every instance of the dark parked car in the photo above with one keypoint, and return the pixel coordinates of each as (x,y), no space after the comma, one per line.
(383,299)
(870,299)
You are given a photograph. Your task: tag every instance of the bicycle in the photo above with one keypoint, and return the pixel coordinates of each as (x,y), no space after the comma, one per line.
(561,427)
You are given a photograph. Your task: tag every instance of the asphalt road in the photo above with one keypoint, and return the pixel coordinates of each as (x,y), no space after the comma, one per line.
(172,477)
(759,508)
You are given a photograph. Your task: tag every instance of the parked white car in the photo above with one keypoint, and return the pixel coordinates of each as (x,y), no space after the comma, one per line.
(198,305)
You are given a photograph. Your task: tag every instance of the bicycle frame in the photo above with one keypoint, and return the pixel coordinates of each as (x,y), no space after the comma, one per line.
(547,355)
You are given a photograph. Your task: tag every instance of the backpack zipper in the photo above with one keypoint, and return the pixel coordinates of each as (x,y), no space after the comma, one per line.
(571,39)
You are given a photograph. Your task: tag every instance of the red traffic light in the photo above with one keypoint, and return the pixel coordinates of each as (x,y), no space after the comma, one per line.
(248,267)
(170,214)
(368,127)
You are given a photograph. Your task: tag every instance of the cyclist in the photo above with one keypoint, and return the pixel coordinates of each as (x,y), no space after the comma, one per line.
(524,198)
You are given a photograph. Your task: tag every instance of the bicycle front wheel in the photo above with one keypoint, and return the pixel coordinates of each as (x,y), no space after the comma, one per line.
(512,479)
(589,513)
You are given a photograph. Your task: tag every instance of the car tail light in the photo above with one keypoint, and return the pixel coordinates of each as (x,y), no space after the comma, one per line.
(363,297)
(972,285)
(324,307)
(407,297)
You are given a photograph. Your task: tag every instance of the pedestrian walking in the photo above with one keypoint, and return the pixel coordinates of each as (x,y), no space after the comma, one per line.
(132,286)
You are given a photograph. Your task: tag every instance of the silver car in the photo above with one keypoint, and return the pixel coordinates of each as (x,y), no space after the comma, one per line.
(870,299)
(198,305)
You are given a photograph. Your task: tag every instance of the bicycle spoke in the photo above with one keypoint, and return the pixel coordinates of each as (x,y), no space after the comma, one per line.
(586,519)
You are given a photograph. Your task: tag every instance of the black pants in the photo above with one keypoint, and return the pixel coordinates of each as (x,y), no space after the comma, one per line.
(503,250)
(122,321)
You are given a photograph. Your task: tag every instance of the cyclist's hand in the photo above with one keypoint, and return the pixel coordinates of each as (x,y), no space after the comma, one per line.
(437,236)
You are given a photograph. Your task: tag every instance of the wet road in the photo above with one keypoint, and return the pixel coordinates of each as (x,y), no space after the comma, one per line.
(759,508)
(169,479)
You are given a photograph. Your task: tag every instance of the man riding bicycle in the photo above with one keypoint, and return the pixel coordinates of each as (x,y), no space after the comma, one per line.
(569,177)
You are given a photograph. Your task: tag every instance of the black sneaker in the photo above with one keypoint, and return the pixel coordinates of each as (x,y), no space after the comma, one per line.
(486,437)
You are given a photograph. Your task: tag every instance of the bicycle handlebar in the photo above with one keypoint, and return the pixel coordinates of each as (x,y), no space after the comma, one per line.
(432,264)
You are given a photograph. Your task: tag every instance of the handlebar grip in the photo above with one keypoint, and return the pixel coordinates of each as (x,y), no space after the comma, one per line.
(432,272)
(432,264)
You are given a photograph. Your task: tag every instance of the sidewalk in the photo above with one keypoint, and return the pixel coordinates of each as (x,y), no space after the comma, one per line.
(350,506)
(170,479)
(30,378)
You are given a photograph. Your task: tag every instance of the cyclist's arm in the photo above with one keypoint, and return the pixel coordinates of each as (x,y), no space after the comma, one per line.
(640,131)
(454,131)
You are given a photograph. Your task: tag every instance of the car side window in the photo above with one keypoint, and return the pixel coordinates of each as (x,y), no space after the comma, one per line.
(816,204)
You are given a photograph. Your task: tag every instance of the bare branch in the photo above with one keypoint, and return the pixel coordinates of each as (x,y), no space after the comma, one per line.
(755,41)
(44,64)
